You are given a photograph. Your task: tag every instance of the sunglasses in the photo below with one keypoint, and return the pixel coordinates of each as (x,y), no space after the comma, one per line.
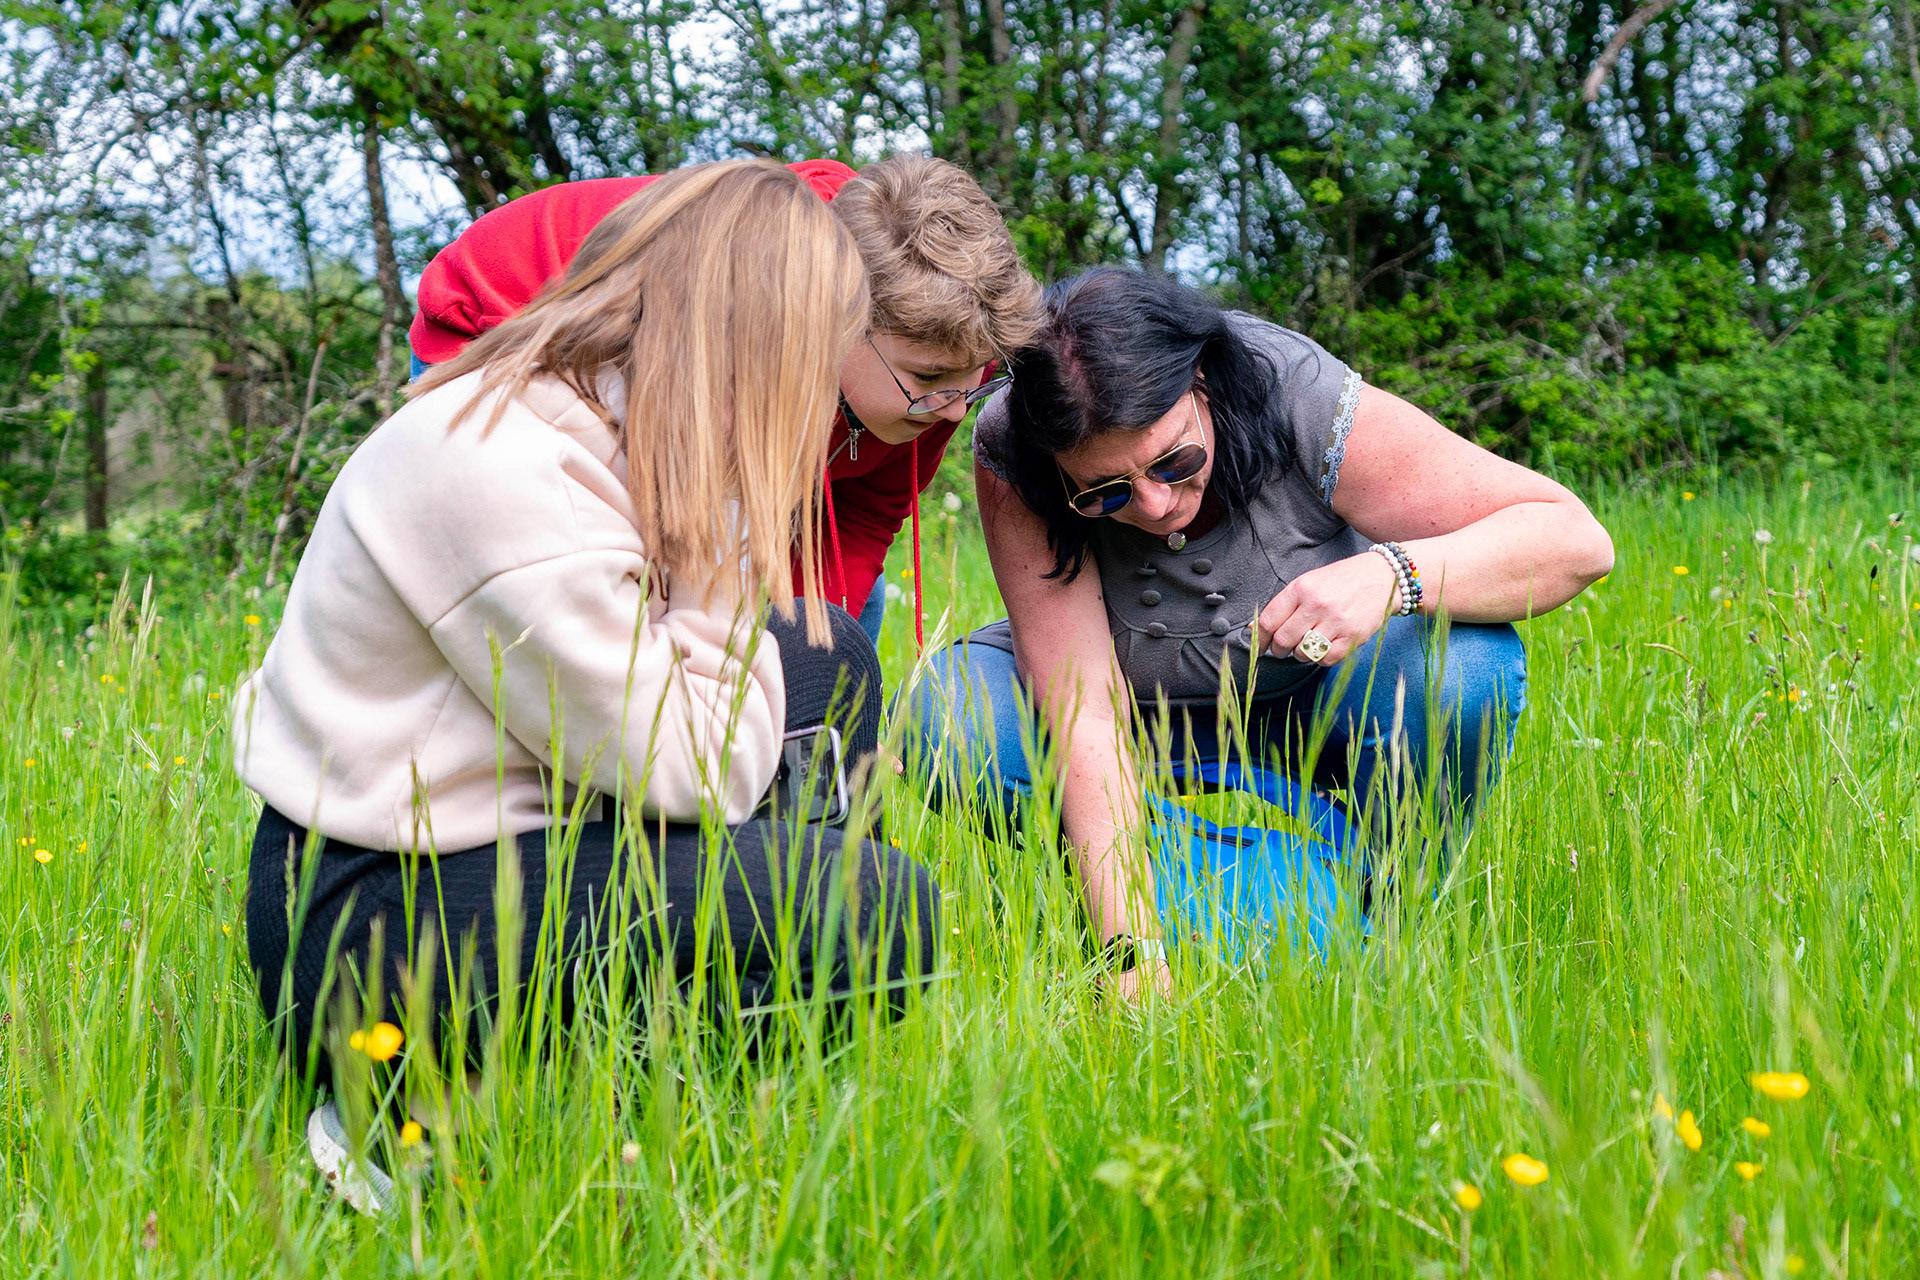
(1176,466)
(935,401)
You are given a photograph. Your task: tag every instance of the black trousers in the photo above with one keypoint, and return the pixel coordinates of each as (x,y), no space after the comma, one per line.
(775,908)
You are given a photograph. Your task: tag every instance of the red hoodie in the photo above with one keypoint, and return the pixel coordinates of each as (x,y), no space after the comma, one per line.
(498,264)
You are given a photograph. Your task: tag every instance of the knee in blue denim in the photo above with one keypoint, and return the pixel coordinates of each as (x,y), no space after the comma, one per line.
(969,712)
(1486,683)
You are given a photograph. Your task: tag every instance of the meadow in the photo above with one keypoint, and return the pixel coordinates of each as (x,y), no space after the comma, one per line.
(1699,867)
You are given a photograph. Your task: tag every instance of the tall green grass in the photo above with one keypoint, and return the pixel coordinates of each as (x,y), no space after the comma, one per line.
(1701,864)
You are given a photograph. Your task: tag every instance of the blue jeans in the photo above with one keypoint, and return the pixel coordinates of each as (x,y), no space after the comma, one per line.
(1448,733)
(874,612)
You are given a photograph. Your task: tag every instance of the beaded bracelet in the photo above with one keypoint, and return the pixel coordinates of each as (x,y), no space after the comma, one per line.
(1406,577)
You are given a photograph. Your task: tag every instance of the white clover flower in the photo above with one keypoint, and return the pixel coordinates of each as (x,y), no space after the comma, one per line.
(1763,537)
(951,504)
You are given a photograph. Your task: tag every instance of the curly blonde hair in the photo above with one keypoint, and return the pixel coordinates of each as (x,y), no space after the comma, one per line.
(941,268)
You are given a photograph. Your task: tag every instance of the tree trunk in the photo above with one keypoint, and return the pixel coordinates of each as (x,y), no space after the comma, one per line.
(951,132)
(386,264)
(1006,109)
(1166,184)
(97,422)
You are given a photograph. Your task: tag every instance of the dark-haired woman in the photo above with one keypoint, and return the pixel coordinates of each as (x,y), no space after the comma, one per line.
(1174,494)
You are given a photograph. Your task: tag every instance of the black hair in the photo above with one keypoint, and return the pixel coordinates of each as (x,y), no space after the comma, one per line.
(1118,350)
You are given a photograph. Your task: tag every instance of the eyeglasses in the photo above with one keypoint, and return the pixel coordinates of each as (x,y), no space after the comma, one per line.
(934,401)
(1176,466)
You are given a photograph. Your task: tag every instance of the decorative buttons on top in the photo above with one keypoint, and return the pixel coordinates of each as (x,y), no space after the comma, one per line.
(1219,626)
(1216,598)
(1149,597)
(1158,630)
(1203,565)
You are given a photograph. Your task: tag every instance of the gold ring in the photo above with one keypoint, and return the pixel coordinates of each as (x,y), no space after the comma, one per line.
(1313,646)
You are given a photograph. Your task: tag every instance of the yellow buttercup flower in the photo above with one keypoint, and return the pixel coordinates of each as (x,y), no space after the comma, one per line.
(1781,1086)
(1757,1127)
(43,856)
(1689,1130)
(1662,1109)
(1747,1169)
(1687,495)
(1795,1264)
(1467,1196)
(411,1133)
(1794,694)
(1681,571)
(31,762)
(179,759)
(252,619)
(1524,1169)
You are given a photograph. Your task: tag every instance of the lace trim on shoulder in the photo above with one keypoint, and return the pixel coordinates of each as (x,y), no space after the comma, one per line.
(1342,424)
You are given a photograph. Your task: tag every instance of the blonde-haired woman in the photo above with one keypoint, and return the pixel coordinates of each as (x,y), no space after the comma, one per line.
(538,585)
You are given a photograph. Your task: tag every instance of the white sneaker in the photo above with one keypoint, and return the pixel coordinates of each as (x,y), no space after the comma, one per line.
(360,1182)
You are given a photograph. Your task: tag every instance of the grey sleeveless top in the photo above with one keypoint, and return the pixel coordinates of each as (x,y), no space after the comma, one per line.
(1178,617)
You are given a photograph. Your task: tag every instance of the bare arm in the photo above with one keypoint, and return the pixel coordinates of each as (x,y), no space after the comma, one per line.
(1063,647)
(1494,541)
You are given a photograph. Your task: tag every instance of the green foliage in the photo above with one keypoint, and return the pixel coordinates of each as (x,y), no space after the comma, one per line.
(32,417)
(75,574)
(1649,365)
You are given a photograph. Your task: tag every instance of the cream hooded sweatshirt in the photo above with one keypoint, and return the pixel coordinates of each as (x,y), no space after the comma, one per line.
(455,571)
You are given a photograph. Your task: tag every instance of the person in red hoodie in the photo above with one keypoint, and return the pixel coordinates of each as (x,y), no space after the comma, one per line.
(951,302)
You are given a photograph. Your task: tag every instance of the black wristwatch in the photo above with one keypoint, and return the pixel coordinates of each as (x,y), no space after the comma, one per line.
(1123,952)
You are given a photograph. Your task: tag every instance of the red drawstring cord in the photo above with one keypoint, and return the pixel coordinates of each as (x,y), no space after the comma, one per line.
(919,600)
(840,564)
(833,537)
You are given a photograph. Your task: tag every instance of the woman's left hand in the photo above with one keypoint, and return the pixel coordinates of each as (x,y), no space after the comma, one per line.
(1344,602)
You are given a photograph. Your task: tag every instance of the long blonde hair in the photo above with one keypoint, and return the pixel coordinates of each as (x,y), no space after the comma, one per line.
(725,295)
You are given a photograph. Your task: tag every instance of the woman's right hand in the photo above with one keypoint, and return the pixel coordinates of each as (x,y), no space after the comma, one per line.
(1150,978)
